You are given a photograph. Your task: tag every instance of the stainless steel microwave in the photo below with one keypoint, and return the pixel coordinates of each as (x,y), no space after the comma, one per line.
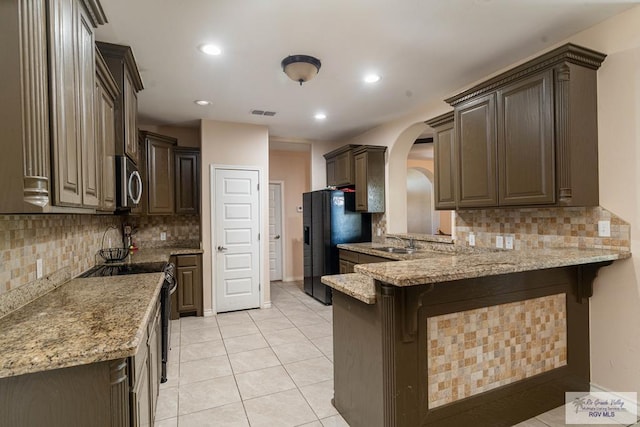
(128,183)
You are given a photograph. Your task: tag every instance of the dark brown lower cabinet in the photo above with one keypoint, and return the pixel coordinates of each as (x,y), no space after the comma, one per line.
(349,259)
(114,393)
(187,300)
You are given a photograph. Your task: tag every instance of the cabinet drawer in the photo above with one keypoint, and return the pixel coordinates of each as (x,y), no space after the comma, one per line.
(370,259)
(187,260)
(348,255)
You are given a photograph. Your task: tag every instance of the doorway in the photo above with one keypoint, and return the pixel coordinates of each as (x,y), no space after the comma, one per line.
(275,230)
(421,216)
(236,238)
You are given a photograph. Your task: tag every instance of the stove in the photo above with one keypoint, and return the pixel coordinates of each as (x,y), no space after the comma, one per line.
(104,270)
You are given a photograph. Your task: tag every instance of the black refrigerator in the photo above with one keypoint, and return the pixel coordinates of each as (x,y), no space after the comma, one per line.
(329,218)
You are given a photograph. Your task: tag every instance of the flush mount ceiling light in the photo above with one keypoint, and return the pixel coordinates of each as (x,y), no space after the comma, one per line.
(320,116)
(202,102)
(210,49)
(301,68)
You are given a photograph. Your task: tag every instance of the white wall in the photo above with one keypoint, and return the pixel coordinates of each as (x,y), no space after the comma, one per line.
(224,143)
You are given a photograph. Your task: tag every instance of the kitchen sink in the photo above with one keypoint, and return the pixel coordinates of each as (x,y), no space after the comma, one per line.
(396,250)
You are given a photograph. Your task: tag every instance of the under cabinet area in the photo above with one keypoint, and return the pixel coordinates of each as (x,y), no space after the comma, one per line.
(349,259)
(527,137)
(187,299)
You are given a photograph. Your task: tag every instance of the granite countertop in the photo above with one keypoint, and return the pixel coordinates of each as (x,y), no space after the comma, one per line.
(84,320)
(448,267)
(371,248)
(356,285)
(425,266)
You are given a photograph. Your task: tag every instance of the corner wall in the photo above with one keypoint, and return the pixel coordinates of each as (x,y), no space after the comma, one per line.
(224,143)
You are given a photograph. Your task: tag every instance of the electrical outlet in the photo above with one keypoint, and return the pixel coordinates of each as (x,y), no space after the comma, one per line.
(499,242)
(508,242)
(472,239)
(163,235)
(39,272)
(604,228)
(379,231)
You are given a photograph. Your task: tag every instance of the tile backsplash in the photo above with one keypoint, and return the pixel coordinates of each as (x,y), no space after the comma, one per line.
(182,230)
(61,241)
(533,228)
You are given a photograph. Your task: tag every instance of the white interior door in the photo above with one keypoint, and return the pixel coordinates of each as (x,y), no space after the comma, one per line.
(275,231)
(236,244)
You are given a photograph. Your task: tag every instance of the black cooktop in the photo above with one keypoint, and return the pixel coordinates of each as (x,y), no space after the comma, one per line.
(122,269)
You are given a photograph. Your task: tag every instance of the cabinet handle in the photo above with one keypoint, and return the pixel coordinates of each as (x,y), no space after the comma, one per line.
(277,237)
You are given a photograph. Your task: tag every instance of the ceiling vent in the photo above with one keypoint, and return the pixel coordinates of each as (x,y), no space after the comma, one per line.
(263,113)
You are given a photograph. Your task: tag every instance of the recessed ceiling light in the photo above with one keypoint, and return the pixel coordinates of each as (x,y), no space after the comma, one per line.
(202,102)
(210,49)
(371,78)
(320,116)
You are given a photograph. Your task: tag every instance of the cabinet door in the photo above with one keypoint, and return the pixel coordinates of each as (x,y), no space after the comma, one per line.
(344,169)
(159,177)
(189,276)
(362,188)
(444,167)
(141,410)
(187,191)
(155,359)
(105,131)
(331,172)
(130,119)
(65,143)
(477,150)
(91,156)
(525,142)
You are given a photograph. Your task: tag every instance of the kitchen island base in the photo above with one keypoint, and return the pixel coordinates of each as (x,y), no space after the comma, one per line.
(488,351)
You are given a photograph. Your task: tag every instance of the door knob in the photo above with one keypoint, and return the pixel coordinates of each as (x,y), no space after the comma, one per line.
(221,249)
(277,237)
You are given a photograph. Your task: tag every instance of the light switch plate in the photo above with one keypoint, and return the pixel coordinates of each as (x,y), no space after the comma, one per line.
(604,228)
(472,239)
(499,242)
(39,272)
(163,235)
(508,242)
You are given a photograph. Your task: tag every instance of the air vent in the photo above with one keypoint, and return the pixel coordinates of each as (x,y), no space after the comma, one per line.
(263,113)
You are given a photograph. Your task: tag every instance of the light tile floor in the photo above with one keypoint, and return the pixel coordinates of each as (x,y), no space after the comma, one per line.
(270,367)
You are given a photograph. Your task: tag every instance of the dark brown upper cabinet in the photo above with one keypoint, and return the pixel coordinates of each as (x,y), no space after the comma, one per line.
(50,159)
(122,65)
(369,176)
(187,182)
(529,137)
(106,93)
(159,173)
(444,161)
(340,167)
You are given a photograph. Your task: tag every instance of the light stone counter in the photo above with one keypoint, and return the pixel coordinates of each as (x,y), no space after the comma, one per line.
(446,267)
(356,285)
(81,321)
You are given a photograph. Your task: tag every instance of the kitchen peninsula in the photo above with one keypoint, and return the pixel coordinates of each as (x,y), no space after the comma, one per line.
(472,338)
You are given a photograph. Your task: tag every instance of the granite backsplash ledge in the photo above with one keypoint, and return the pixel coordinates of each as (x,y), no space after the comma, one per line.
(537,228)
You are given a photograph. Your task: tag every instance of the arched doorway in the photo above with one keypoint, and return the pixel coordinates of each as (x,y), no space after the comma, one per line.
(421,217)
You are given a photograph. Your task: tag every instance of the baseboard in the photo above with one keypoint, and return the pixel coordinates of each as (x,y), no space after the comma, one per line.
(266,304)
(293,279)
(599,388)
(208,313)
